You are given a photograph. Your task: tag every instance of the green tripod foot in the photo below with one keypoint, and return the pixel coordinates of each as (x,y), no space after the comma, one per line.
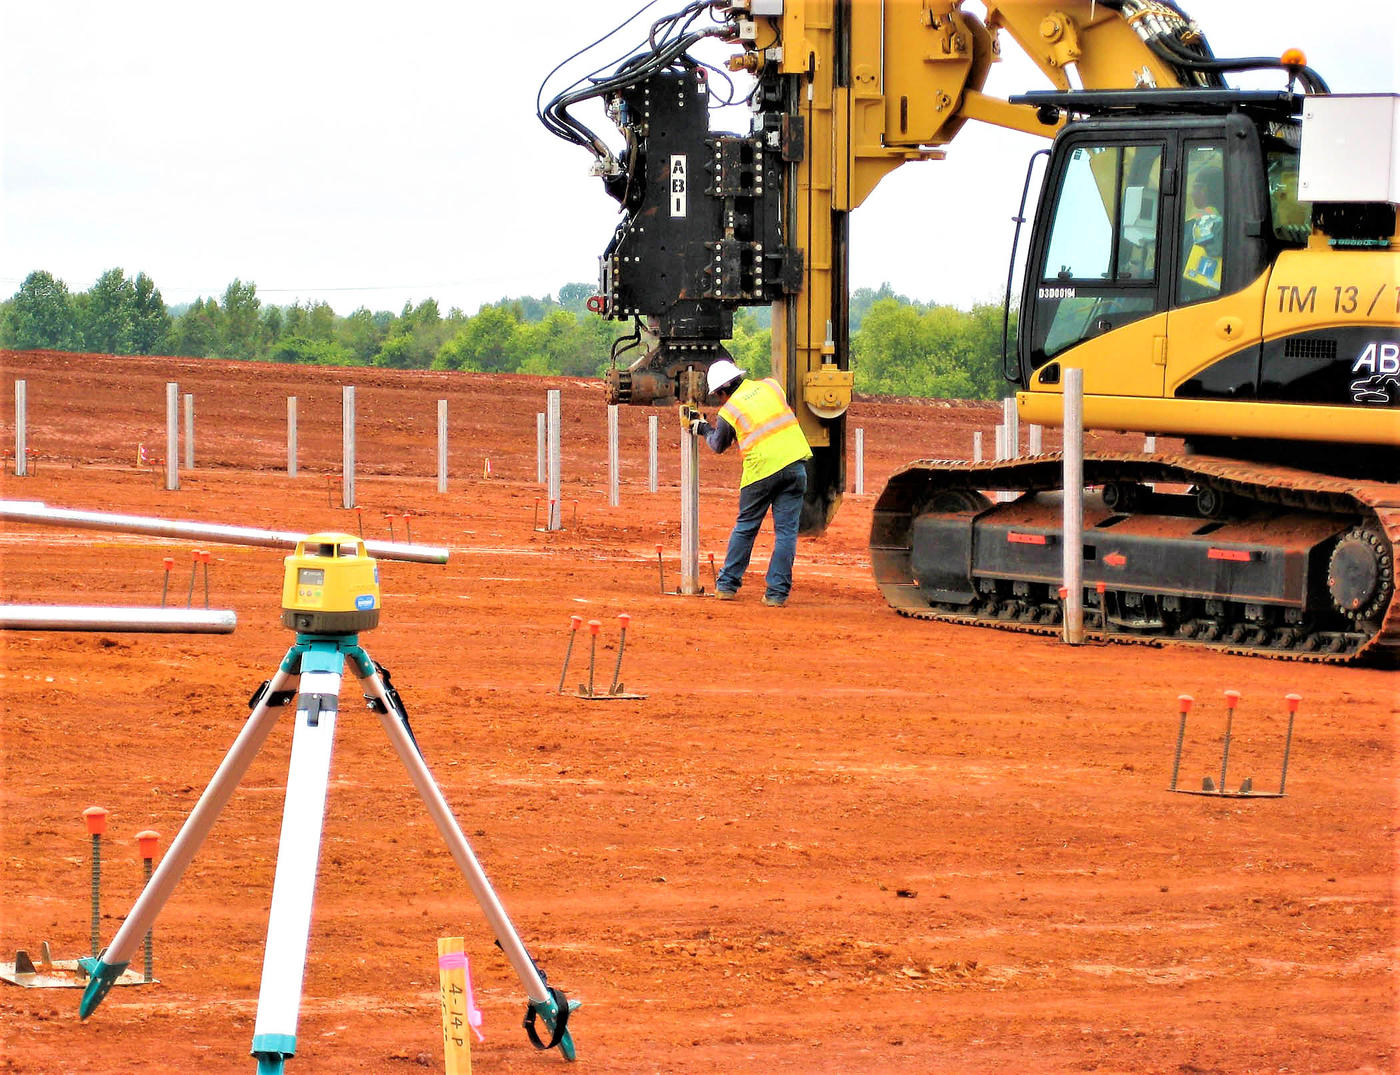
(272,1051)
(555,1012)
(102,976)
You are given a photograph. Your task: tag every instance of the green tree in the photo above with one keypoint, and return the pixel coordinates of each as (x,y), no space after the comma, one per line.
(108,317)
(484,343)
(41,315)
(418,334)
(939,352)
(862,298)
(397,352)
(984,336)
(296,321)
(574,297)
(306,351)
(150,320)
(321,321)
(195,333)
(361,334)
(751,346)
(271,323)
(241,328)
(456,354)
(888,350)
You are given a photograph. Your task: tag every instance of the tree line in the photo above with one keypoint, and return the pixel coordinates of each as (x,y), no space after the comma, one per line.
(898,346)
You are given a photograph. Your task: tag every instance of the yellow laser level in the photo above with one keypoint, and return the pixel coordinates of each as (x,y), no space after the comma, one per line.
(331,586)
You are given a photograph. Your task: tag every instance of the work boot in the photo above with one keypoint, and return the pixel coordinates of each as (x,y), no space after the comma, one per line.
(726,595)
(774,602)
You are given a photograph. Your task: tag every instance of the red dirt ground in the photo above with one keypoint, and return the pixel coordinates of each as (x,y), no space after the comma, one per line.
(829,839)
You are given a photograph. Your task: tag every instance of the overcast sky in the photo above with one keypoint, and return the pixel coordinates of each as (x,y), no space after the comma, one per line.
(375,154)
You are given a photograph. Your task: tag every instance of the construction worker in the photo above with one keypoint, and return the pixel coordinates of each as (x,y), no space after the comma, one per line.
(1205,229)
(756,415)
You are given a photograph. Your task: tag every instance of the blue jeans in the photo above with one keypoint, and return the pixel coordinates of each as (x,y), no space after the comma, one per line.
(783,493)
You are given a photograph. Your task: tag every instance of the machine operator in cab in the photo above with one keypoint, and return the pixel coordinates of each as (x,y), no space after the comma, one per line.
(756,415)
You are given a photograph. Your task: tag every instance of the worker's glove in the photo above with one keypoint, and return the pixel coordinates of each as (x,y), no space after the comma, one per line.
(697,427)
(690,417)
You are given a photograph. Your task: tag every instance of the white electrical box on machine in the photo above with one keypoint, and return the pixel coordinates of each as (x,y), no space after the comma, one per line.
(1351,148)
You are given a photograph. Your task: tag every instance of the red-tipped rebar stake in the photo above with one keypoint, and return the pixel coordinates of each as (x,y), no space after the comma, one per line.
(661,568)
(623,619)
(594,626)
(574,622)
(194,570)
(360,521)
(146,841)
(1184,702)
(1232,699)
(1292,700)
(407,529)
(205,556)
(96,818)
(168,563)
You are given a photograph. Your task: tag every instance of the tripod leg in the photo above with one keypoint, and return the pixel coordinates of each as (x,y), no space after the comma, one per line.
(106,968)
(544,1001)
(298,849)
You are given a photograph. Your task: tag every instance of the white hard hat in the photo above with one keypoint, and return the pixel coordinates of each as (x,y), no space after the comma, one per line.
(722,373)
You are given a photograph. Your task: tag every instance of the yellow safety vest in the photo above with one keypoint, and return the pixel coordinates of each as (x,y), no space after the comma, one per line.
(768,433)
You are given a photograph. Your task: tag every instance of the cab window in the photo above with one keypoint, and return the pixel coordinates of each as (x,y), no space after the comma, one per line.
(1102,260)
(1202,256)
(1292,218)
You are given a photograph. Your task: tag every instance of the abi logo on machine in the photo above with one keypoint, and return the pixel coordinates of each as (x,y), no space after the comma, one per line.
(1382,362)
(364,602)
(677,185)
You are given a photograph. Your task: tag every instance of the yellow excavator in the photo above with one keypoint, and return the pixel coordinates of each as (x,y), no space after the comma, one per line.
(1222,265)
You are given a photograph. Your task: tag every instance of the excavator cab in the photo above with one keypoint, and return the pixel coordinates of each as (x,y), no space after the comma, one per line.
(1153,202)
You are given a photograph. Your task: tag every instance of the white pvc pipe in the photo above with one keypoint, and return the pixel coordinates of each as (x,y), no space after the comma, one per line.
(116,619)
(860,462)
(1035,439)
(651,453)
(442,446)
(690,513)
(539,448)
(291,436)
(172,436)
(189,431)
(33,511)
(612,455)
(1073,521)
(21,431)
(347,440)
(1012,421)
(1002,453)
(977,447)
(556,510)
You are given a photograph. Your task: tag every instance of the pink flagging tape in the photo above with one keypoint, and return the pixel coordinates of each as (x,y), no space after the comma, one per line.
(455,961)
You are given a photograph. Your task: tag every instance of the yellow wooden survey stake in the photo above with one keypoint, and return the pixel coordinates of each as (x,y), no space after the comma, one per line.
(456,1032)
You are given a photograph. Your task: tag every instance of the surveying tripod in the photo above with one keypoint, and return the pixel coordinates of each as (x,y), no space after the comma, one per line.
(319,660)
